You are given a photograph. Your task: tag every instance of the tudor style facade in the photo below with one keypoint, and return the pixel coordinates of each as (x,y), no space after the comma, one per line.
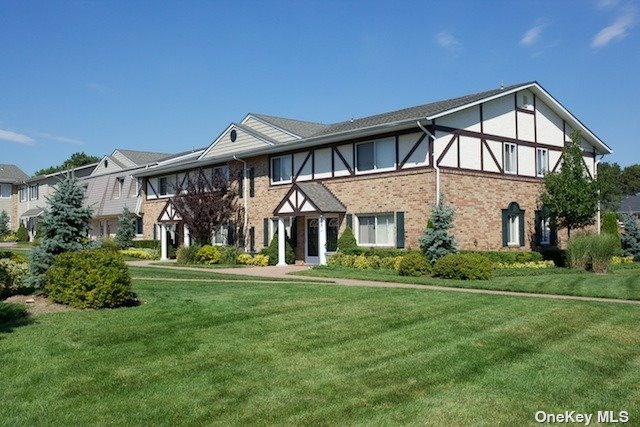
(486,153)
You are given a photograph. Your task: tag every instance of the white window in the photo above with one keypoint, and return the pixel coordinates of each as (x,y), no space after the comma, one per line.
(221,171)
(510,158)
(167,185)
(376,155)
(281,169)
(34,191)
(376,230)
(513,230)
(5,191)
(545,231)
(542,161)
(220,235)
(24,193)
(119,187)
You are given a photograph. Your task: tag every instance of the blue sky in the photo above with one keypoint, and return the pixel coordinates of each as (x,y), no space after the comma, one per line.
(169,76)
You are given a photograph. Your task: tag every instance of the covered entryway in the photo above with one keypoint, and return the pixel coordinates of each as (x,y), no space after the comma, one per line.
(171,228)
(30,220)
(321,212)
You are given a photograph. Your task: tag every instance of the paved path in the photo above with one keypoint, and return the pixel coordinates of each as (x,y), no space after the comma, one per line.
(281,273)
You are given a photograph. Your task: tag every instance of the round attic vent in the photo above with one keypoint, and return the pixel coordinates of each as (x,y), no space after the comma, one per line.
(233,135)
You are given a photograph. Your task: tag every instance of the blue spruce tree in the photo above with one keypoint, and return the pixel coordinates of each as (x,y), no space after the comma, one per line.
(63,226)
(436,241)
(126,229)
(631,238)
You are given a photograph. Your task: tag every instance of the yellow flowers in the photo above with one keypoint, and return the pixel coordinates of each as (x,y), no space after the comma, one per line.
(519,265)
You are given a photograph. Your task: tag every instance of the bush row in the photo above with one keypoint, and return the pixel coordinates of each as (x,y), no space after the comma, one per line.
(508,257)
(463,266)
(141,253)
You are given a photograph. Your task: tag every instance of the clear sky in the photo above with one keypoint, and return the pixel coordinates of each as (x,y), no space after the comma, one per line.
(169,76)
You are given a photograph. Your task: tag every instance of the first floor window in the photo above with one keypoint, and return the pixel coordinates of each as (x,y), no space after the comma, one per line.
(542,161)
(220,235)
(510,158)
(139,225)
(376,230)
(281,169)
(513,225)
(545,230)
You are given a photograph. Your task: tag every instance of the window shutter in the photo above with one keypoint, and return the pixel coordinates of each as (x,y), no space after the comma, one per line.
(553,238)
(231,238)
(521,223)
(294,232)
(265,228)
(350,221)
(538,227)
(505,228)
(400,230)
(240,183)
(252,239)
(252,182)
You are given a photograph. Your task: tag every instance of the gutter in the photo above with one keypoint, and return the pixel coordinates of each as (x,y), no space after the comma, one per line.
(435,166)
(246,201)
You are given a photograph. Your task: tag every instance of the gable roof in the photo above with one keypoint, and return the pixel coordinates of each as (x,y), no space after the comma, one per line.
(309,197)
(11,173)
(141,158)
(630,204)
(301,128)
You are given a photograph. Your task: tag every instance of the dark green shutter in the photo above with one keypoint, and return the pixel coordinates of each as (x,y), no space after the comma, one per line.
(241,183)
(294,232)
(521,222)
(505,227)
(265,227)
(252,182)
(350,221)
(231,238)
(252,239)
(400,230)
(538,227)
(553,239)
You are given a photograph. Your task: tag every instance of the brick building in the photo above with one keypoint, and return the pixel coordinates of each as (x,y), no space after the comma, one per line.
(485,153)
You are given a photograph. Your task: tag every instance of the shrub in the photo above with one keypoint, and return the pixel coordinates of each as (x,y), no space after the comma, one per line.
(591,252)
(126,231)
(413,264)
(229,255)
(508,257)
(10,237)
(347,241)
(147,244)
(523,265)
(247,259)
(610,226)
(260,260)
(558,256)
(208,255)
(361,262)
(140,253)
(22,235)
(12,277)
(12,312)
(619,260)
(463,267)
(90,279)
(272,251)
(108,243)
(436,241)
(188,254)
(631,238)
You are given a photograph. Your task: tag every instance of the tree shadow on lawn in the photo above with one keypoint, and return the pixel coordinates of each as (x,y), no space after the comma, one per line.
(13,316)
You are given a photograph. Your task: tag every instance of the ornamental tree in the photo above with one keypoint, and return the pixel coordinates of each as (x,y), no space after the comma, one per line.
(4,223)
(126,229)
(631,238)
(63,227)
(205,203)
(571,194)
(437,241)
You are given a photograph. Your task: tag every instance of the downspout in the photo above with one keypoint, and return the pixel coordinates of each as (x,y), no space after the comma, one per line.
(435,165)
(595,176)
(245,229)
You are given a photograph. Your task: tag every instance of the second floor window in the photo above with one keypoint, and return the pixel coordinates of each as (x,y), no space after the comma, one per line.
(24,193)
(542,161)
(34,192)
(510,158)
(281,170)
(5,191)
(376,155)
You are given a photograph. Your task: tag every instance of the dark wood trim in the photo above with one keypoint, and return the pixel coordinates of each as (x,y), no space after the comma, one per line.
(344,161)
(155,192)
(446,149)
(564,132)
(511,176)
(304,163)
(515,106)
(397,162)
(555,167)
(458,149)
(493,156)
(313,163)
(431,143)
(524,110)
(333,162)
(413,150)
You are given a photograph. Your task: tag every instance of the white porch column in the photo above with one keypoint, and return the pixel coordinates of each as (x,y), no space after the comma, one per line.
(187,237)
(163,242)
(281,242)
(322,240)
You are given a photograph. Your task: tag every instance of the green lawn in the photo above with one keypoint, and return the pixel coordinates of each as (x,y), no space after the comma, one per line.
(618,284)
(203,353)
(204,266)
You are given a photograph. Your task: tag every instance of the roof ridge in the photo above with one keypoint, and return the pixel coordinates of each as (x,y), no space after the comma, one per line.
(269,116)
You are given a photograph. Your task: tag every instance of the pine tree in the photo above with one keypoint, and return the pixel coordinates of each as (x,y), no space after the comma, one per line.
(64,225)
(631,237)
(126,229)
(4,223)
(437,241)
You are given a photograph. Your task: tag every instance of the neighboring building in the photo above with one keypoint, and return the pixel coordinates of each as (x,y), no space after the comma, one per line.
(33,193)
(10,178)
(111,187)
(486,153)
(630,205)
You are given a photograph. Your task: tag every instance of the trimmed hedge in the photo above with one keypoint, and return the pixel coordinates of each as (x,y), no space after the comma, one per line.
(463,266)
(413,264)
(208,255)
(347,241)
(147,244)
(90,279)
(188,254)
(508,257)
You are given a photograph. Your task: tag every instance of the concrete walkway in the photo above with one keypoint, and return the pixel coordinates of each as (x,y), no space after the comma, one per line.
(281,273)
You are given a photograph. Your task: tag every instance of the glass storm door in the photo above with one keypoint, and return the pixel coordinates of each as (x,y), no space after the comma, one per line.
(312,249)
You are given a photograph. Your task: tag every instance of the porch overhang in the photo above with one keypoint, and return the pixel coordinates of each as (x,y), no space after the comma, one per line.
(309,198)
(169,214)
(32,213)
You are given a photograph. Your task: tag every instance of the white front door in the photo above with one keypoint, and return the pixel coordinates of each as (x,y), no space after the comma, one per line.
(312,242)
